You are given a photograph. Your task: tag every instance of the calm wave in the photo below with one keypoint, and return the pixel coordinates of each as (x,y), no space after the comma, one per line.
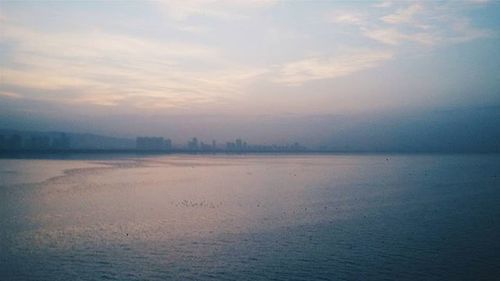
(340,217)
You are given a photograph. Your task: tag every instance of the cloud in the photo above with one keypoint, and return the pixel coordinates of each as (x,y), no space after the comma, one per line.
(192,28)
(435,25)
(181,10)
(156,66)
(392,36)
(349,18)
(10,95)
(110,69)
(403,15)
(386,36)
(96,44)
(463,31)
(480,2)
(383,4)
(314,68)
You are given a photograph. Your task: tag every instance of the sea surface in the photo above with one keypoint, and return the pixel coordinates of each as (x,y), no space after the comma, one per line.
(251,217)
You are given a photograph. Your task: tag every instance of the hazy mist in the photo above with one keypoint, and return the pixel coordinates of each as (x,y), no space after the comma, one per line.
(388,76)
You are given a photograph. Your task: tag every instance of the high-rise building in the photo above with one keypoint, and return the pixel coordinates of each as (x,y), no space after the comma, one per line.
(15,142)
(38,143)
(61,142)
(193,144)
(3,144)
(153,143)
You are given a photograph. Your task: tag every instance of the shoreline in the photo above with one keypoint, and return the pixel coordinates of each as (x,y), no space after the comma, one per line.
(66,152)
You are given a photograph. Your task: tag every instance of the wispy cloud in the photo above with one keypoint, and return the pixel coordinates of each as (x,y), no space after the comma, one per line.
(345,17)
(403,15)
(220,9)
(96,44)
(464,31)
(480,1)
(109,69)
(208,53)
(393,36)
(383,4)
(428,23)
(314,68)
(10,95)
(192,28)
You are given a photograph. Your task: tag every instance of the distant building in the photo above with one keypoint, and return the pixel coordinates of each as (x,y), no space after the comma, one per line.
(297,147)
(15,142)
(193,144)
(38,143)
(206,147)
(153,143)
(61,142)
(230,146)
(168,144)
(237,146)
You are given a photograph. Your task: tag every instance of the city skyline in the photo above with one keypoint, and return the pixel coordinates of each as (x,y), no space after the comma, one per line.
(18,141)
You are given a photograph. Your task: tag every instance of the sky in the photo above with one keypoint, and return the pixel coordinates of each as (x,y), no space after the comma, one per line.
(265,70)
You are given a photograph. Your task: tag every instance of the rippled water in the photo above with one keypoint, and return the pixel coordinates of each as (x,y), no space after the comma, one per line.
(337,217)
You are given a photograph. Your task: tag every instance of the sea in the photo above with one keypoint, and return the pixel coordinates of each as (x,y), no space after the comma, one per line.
(251,217)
